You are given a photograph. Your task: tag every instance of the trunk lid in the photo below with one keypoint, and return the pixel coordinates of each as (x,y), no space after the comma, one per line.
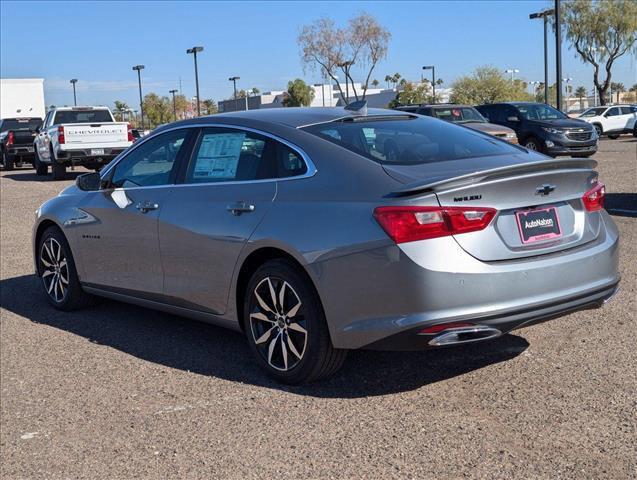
(95,133)
(23,137)
(550,186)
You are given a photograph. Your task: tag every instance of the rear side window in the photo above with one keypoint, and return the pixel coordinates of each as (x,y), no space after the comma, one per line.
(82,116)
(627,110)
(233,155)
(410,141)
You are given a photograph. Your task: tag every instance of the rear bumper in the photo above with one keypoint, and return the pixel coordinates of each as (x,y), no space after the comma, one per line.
(85,156)
(21,150)
(395,291)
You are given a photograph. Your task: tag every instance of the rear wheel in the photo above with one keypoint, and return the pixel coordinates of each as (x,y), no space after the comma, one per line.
(8,161)
(56,268)
(40,168)
(613,137)
(534,144)
(58,170)
(286,327)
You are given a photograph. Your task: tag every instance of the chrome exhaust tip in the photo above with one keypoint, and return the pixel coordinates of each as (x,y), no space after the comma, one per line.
(454,336)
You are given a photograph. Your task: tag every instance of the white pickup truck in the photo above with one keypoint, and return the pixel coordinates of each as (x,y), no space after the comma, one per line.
(87,136)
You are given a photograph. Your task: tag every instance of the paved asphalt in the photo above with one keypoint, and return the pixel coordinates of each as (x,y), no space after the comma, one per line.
(120,392)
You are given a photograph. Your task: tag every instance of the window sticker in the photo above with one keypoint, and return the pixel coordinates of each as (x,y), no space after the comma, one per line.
(218,156)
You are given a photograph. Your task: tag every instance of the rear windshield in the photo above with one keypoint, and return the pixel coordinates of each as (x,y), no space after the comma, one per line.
(458,114)
(82,116)
(408,141)
(20,124)
(593,112)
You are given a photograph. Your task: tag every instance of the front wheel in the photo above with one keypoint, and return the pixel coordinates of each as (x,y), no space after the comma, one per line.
(613,137)
(534,144)
(598,129)
(58,171)
(286,326)
(57,272)
(40,168)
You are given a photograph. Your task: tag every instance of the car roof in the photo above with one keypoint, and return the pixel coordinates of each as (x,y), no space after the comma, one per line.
(290,116)
(81,108)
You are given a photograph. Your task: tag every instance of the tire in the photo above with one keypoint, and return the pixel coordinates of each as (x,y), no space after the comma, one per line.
(58,171)
(292,352)
(599,130)
(40,168)
(8,161)
(56,269)
(534,144)
(613,137)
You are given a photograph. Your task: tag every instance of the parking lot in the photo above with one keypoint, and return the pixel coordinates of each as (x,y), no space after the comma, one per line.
(122,392)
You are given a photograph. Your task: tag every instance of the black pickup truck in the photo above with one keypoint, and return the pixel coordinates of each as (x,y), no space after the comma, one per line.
(16,141)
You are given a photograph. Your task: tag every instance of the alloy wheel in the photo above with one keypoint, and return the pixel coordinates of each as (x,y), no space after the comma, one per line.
(278,324)
(531,145)
(55,269)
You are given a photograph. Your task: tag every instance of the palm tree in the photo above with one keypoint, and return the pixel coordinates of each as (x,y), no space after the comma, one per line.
(396,78)
(388,79)
(617,87)
(580,92)
(375,83)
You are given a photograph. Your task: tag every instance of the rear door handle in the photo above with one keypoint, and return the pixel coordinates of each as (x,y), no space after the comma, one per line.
(146,206)
(238,208)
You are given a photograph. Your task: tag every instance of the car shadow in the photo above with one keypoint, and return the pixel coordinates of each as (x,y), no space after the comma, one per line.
(204,349)
(23,176)
(621,204)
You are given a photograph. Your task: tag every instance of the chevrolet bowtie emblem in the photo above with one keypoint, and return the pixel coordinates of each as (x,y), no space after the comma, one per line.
(545,189)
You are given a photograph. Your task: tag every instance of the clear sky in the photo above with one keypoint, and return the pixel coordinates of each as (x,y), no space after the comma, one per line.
(98,42)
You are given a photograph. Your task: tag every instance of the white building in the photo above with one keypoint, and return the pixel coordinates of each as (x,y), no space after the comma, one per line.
(22,97)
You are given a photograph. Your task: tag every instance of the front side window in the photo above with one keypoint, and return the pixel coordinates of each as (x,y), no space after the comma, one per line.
(536,111)
(409,141)
(593,112)
(613,112)
(151,163)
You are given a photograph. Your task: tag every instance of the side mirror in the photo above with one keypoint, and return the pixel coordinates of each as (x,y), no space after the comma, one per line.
(89,182)
(513,119)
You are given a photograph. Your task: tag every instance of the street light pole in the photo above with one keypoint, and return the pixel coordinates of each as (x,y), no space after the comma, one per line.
(194,51)
(234,83)
(74,81)
(512,71)
(139,69)
(544,16)
(174,105)
(558,54)
(433,79)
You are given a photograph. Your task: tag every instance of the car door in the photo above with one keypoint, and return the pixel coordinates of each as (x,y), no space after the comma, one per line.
(613,119)
(227,190)
(628,117)
(118,239)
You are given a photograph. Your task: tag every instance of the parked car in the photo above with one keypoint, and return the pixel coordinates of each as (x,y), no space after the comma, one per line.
(611,120)
(464,115)
(542,128)
(290,226)
(16,141)
(87,136)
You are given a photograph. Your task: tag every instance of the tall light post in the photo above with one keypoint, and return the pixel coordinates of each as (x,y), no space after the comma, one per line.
(512,71)
(139,69)
(194,51)
(433,79)
(533,84)
(174,105)
(544,14)
(73,82)
(566,80)
(234,83)
(558,54)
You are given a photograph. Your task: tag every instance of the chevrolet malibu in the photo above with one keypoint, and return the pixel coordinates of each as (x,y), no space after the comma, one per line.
(316,231)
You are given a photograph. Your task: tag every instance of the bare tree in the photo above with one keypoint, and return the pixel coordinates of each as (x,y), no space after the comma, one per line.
(363,43)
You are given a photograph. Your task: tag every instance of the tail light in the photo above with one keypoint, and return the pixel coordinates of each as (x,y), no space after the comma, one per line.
(594,198)
(130,133)
(10,138)
(61,139)
(408,224)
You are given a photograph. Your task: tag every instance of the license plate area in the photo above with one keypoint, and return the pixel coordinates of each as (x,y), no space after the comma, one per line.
(97,151)
(538,224)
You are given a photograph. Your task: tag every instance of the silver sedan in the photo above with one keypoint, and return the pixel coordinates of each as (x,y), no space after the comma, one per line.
(315,231)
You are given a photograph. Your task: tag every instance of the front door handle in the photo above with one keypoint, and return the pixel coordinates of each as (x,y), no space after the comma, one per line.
(238,208)
(146,206)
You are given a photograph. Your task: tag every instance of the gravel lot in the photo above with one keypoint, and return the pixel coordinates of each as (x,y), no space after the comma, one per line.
(122,392)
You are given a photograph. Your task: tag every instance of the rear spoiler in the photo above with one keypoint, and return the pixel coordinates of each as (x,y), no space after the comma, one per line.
(436,183)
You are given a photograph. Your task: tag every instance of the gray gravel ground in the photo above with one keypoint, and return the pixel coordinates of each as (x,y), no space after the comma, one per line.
(122,392)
